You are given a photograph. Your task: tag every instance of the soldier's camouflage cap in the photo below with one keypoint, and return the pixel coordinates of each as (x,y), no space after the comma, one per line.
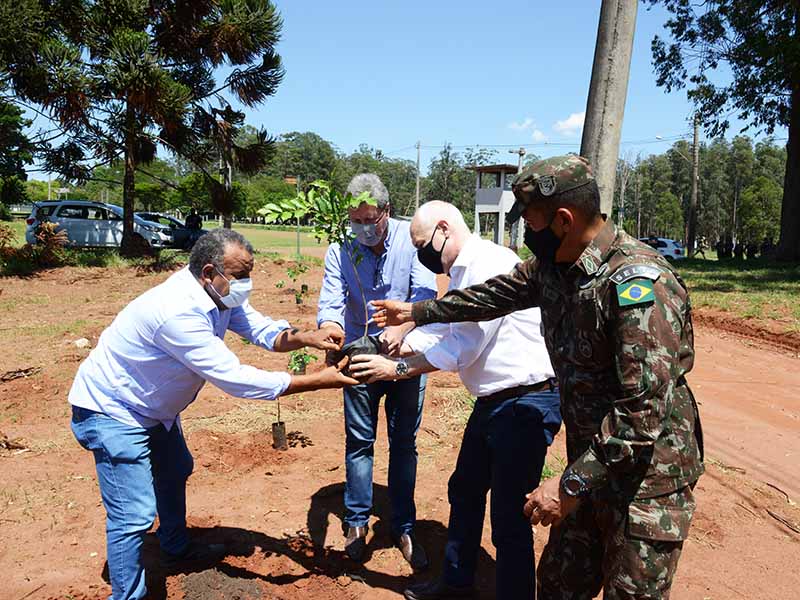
(546,178)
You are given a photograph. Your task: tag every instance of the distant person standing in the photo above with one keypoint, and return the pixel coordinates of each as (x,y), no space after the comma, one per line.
(751,250)
(194,223)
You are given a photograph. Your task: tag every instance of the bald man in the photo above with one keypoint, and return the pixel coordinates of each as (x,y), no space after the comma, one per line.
(504,363)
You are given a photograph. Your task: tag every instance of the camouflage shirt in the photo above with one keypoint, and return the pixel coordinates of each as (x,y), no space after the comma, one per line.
(618,327)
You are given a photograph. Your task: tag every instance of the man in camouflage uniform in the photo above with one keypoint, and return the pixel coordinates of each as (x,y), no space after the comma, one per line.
(617,324)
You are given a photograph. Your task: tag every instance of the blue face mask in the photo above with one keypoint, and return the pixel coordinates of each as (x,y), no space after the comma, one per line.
(368,234)
(238,292)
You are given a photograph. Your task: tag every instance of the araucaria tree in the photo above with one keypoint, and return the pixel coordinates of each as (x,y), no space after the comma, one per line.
(120,78)
(759,43)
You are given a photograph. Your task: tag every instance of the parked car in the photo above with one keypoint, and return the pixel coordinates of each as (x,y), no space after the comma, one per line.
(93,224)
(670,249)
(181,236)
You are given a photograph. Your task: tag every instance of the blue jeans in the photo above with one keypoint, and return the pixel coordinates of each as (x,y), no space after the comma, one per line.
(403,407)
(504,447)
(140,472)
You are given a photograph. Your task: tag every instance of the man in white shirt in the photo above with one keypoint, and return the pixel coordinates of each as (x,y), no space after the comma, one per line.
(148,366)
(505,364)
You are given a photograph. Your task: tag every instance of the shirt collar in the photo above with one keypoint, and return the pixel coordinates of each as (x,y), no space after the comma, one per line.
(468,251)
(195,290)
(596,253)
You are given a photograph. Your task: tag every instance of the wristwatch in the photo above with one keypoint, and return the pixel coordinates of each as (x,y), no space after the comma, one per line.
(401,368)
(573,485)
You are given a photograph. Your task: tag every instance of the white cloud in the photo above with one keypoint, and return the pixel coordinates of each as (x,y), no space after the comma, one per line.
(538,136)
(522,126)
(571,125)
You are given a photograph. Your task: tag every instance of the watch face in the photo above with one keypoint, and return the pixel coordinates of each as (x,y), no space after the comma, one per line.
(573,485)
(401,368)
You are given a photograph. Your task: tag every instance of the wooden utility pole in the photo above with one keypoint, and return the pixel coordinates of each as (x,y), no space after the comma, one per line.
(692,233)
(605,107)
(416,197)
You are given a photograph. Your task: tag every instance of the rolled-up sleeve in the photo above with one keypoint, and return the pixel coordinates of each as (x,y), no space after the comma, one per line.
(333,295)
(255,327)
(189,339)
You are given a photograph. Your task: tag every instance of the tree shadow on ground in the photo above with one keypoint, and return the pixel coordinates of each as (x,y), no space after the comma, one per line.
(308,549)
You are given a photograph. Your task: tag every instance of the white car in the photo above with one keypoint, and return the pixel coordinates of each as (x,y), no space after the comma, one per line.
(93,224)
(669,249)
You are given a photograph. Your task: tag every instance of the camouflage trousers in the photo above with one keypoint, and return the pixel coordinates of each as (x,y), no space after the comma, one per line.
(630,549)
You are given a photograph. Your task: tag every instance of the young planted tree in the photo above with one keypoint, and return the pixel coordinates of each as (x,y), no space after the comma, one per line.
(119,78)
(759,42)
(327,210)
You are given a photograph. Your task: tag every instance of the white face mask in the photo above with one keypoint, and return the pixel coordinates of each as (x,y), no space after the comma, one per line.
(366,234)
(238,291)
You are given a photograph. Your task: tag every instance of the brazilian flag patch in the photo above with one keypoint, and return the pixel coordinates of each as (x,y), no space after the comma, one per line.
(637,291)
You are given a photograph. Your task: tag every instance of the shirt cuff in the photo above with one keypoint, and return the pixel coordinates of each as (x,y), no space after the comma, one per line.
(285,381)
(333,317)
(421,310)
(440,358)
(589,468)
(275,330)
(419,341)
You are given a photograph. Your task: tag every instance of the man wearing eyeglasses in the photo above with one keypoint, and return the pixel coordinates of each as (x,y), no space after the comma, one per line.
(387,269)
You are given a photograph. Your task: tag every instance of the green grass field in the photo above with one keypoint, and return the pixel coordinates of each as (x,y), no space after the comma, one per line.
(753,289)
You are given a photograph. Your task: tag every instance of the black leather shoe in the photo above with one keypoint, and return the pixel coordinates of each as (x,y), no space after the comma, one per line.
(193,553)
(355,544)
(437,590)
(412,551)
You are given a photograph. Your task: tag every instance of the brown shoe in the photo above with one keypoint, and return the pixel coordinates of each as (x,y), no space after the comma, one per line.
(355,544)
(413,552)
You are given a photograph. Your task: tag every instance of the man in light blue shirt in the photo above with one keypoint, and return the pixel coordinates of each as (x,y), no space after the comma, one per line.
(148,366)
(388,269)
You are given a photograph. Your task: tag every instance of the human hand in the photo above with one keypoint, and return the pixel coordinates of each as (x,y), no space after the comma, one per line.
(369,368)
(391,312)
(329,337)
(392,339)
(548,504)
(333,377)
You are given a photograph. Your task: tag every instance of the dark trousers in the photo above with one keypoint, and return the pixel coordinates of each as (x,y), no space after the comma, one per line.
(504,447)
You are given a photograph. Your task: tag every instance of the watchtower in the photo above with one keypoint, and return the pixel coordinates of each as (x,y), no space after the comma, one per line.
(493,196)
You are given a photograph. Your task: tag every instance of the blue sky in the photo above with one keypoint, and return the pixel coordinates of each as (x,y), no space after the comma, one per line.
(509,72)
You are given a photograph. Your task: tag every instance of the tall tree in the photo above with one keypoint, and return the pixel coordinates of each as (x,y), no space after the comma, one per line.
(759,42)
(15,153)
(121,77)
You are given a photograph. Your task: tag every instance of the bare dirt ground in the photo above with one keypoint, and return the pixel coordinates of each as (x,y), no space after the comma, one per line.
(279,512)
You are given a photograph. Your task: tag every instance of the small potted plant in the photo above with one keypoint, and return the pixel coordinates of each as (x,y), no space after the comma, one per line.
(299,360)
(328,211)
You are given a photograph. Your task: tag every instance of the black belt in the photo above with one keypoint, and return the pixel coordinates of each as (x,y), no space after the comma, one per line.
(520,390)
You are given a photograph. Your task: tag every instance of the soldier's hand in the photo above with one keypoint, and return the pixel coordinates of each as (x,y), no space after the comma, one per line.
(548,505)
(391,312)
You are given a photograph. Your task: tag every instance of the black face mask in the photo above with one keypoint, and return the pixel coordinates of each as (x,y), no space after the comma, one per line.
(430,258)
(543,243)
